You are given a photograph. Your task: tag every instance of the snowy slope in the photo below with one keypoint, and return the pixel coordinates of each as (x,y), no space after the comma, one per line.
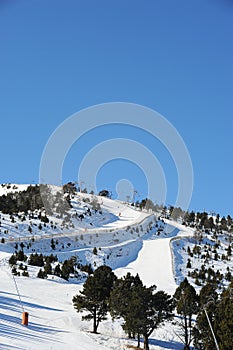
(155,260)
(112,216)
(131,242)
(54,324)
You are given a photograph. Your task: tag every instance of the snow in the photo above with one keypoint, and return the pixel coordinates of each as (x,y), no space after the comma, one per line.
(127,239)
(153,259)
(113,216)
(53,322)
(180,246)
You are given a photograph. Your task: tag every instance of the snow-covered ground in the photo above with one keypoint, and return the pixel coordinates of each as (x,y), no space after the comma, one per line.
(53,322)
(222,263)
(155,260)
(112,216)
(128,240)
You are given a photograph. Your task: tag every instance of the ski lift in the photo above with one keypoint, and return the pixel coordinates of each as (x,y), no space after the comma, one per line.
(25,315)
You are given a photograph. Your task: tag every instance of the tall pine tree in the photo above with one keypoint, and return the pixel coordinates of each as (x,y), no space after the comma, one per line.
(187,305)
(142,309)
(94,296)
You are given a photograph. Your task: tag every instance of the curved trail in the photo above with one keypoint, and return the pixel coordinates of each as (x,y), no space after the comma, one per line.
(154,265)
(155,262)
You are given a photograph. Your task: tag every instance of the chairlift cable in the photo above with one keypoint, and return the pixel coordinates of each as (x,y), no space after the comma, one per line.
(17,289)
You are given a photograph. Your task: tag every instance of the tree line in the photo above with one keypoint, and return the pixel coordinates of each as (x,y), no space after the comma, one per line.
(37,197)
(48,265)
(144,309)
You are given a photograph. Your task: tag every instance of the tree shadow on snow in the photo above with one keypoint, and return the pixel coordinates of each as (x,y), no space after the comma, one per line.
(9,347)
(11,328)
(170,345)
(13,303)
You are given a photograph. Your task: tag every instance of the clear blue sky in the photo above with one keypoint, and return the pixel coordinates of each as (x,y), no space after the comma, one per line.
(176,57)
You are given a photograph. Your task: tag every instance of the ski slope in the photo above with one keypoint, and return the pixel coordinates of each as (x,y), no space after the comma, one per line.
(113,216)
(53,322)
(155,260)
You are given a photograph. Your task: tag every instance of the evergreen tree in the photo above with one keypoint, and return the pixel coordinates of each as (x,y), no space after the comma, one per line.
(87,268)
(36,260)
(68,268)
(48,269)
(156,308)
(229,250)
(95,294)
(50,258)
(41,274)
(224,320)
(21,256)
(44,218)
(13,260)
(126,289)
(220,313)
(14,271)
(209,223)
(57,270)
(189,264)
(189,218)
(207,300)
(53,244)
(142,309)
(224,223)
(187,305)
(25,274)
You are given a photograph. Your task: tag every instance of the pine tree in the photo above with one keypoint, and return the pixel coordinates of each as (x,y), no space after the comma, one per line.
(207,300)
(13,260)
(41,274)
(142,309)
(53,244)
(48,268)
(224,320)
(36,260)
(229,250)
(188,266)
(57,270)
(25,274)
(156,308)
(21,256)
(94,296)
(125,290)
(187,305)
(224,223)
(68,267)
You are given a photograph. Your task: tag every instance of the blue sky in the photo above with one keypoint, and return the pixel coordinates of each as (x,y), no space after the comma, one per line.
(58,57)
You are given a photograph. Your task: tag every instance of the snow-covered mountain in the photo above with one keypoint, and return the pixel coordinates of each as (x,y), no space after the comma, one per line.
(125,238)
